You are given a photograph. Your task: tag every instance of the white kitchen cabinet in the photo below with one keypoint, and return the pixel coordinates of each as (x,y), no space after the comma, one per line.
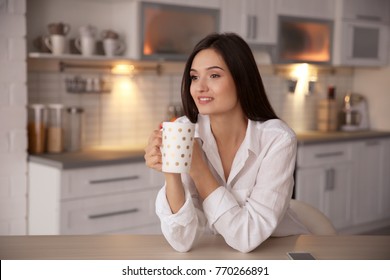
(317,9)
(373,10)
(95,200)
(254,20)
(385,192)
(323,179)
(361,33)
(349,181)
(372,185)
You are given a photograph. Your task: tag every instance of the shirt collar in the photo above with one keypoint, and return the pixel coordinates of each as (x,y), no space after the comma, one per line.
(251,140)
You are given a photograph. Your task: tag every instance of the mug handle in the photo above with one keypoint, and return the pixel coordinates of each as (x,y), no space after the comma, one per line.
(120,48)
(48,43)
(66,28)
(77,44)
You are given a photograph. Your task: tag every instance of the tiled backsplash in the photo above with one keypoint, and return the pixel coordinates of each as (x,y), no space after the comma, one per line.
(126,116)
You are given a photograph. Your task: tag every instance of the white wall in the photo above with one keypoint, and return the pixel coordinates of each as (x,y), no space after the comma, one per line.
(13,99)
(375,85)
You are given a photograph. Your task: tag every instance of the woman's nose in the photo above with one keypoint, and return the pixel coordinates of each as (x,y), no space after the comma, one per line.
(201,85)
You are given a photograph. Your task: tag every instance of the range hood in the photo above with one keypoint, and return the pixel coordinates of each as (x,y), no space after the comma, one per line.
(304,40)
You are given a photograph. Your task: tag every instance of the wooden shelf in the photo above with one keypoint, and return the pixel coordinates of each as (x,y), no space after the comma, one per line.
(49,62)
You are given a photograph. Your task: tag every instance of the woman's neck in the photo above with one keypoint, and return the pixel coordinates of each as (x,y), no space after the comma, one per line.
(229,129)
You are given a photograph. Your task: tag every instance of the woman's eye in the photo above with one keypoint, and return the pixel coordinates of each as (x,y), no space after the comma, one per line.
(214,75)
(193,77)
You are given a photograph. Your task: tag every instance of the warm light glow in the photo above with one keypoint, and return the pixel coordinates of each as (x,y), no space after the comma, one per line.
(123,87)
(303,73)
(123,69)
(147,49)
(300,70)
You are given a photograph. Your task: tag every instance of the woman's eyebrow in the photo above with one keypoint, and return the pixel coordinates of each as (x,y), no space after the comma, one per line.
(209,68)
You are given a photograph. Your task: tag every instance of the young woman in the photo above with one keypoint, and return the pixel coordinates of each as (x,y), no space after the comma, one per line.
(241,177)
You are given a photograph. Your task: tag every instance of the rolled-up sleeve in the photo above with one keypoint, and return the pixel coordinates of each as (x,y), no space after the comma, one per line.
(183,228)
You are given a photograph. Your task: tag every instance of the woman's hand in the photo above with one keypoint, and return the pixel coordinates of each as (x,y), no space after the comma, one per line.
(174,187)
(204,180)
(153,157)
(197,164)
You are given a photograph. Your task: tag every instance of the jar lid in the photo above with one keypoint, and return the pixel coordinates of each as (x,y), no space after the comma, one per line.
(75,110)
(55,106)
(36,106)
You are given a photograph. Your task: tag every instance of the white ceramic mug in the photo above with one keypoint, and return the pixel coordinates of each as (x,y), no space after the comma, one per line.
(56,44)
(113,46)
(177,146)
(86,45)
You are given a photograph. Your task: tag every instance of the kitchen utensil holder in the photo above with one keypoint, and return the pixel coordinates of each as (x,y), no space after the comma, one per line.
(81,85)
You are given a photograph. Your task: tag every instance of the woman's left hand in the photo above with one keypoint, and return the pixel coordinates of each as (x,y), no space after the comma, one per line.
(204,180)
(197,162)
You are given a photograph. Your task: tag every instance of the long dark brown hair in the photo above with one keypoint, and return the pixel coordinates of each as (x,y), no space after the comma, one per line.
(242,65)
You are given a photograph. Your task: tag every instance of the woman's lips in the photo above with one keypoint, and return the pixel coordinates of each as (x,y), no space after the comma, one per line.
(205,100)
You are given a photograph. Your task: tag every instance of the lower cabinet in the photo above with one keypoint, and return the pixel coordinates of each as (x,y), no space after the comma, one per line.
(329,189)
(372,180)
(385,194)
(348,181)
(98,200)
(323,179)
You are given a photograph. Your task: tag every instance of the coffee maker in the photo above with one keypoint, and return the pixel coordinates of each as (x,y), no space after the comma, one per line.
(354,116)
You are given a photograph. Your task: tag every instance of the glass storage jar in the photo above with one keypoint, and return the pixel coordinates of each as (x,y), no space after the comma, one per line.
(36,128)
(74,131)
(55,129)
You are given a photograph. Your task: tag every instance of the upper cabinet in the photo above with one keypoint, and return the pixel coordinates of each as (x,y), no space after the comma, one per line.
(319,9)
(254,20)
(372,10)
(361,33)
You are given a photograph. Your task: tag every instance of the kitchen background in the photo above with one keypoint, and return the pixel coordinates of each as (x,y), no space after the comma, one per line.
(124,117)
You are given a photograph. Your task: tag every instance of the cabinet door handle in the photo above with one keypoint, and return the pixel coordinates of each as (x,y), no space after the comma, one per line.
(331,154)
(254,27)
(110,214)
(329,179)
(102,181)
(248,26)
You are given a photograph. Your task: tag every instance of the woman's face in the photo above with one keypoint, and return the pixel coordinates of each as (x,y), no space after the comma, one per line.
(212,85)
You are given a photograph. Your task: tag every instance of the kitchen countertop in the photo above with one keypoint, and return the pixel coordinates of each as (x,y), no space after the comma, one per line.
(102,157)
(318,137)
(91,158)
(211,247)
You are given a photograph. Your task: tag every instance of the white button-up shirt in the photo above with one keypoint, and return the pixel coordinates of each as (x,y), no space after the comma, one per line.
(252,204)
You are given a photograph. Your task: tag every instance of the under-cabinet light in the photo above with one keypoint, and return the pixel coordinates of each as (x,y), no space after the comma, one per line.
(123,69)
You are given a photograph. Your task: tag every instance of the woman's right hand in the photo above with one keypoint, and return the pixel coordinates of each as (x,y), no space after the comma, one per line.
(153,157)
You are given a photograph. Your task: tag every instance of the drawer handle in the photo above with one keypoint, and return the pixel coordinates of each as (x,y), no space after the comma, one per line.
(110,214)
(329,179)
(334,154)
(102,181)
